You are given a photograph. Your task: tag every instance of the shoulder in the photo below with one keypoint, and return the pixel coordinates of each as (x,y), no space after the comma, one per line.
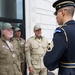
(29,40)
(58,30)
(13,39)
(43,37)
(22,39)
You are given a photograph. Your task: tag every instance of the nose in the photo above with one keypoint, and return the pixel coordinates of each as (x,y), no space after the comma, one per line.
(56,17)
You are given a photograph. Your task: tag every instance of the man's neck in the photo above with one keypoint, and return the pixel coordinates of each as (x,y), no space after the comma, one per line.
(17,37)
(38,37)
(67,19)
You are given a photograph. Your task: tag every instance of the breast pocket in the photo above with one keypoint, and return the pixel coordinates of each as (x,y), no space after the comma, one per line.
(35,47)
(3,71)
(3,54)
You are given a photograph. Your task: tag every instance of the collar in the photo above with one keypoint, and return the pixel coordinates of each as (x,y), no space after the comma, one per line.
(18,39)
(70,22)
(37,37)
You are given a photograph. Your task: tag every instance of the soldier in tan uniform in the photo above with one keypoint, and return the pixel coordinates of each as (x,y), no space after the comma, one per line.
(21,43)
(9,64)
(36,47)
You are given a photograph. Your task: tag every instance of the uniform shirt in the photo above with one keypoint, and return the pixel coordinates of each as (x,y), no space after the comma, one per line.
(9,64)
(62,51)
(35,51)
(21,44)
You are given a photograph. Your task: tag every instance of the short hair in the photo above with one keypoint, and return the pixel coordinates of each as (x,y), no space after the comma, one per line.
(70,10)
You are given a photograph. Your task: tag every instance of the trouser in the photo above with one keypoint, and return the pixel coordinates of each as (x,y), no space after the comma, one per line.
(25,70)
(40,72)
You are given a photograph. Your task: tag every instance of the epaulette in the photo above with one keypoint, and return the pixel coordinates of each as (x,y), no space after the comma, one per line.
(32,37)
(59,30)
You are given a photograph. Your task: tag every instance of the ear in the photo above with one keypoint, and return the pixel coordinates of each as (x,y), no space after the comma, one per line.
(63,12)
(2,31)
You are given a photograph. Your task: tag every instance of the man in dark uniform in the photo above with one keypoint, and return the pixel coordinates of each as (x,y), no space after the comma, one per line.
(62,49)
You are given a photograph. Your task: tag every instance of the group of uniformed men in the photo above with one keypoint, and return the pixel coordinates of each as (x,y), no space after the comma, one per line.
(15,52)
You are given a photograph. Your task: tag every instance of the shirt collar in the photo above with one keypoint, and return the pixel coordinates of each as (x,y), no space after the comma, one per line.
(37,37)
(69,22)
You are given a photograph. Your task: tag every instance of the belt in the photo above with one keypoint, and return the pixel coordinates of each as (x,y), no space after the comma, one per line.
(67,65)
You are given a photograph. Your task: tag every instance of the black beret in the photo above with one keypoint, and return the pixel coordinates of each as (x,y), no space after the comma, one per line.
(63,3)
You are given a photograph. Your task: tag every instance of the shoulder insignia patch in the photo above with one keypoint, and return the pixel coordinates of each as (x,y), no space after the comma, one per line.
(57,31)
(51,46)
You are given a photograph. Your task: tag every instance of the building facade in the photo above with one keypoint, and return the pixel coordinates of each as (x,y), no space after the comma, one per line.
(40,12)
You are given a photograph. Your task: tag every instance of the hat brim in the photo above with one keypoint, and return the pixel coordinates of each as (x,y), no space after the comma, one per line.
(37,29)
(11,27)
(59,1)
(8,28)
(17,30)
